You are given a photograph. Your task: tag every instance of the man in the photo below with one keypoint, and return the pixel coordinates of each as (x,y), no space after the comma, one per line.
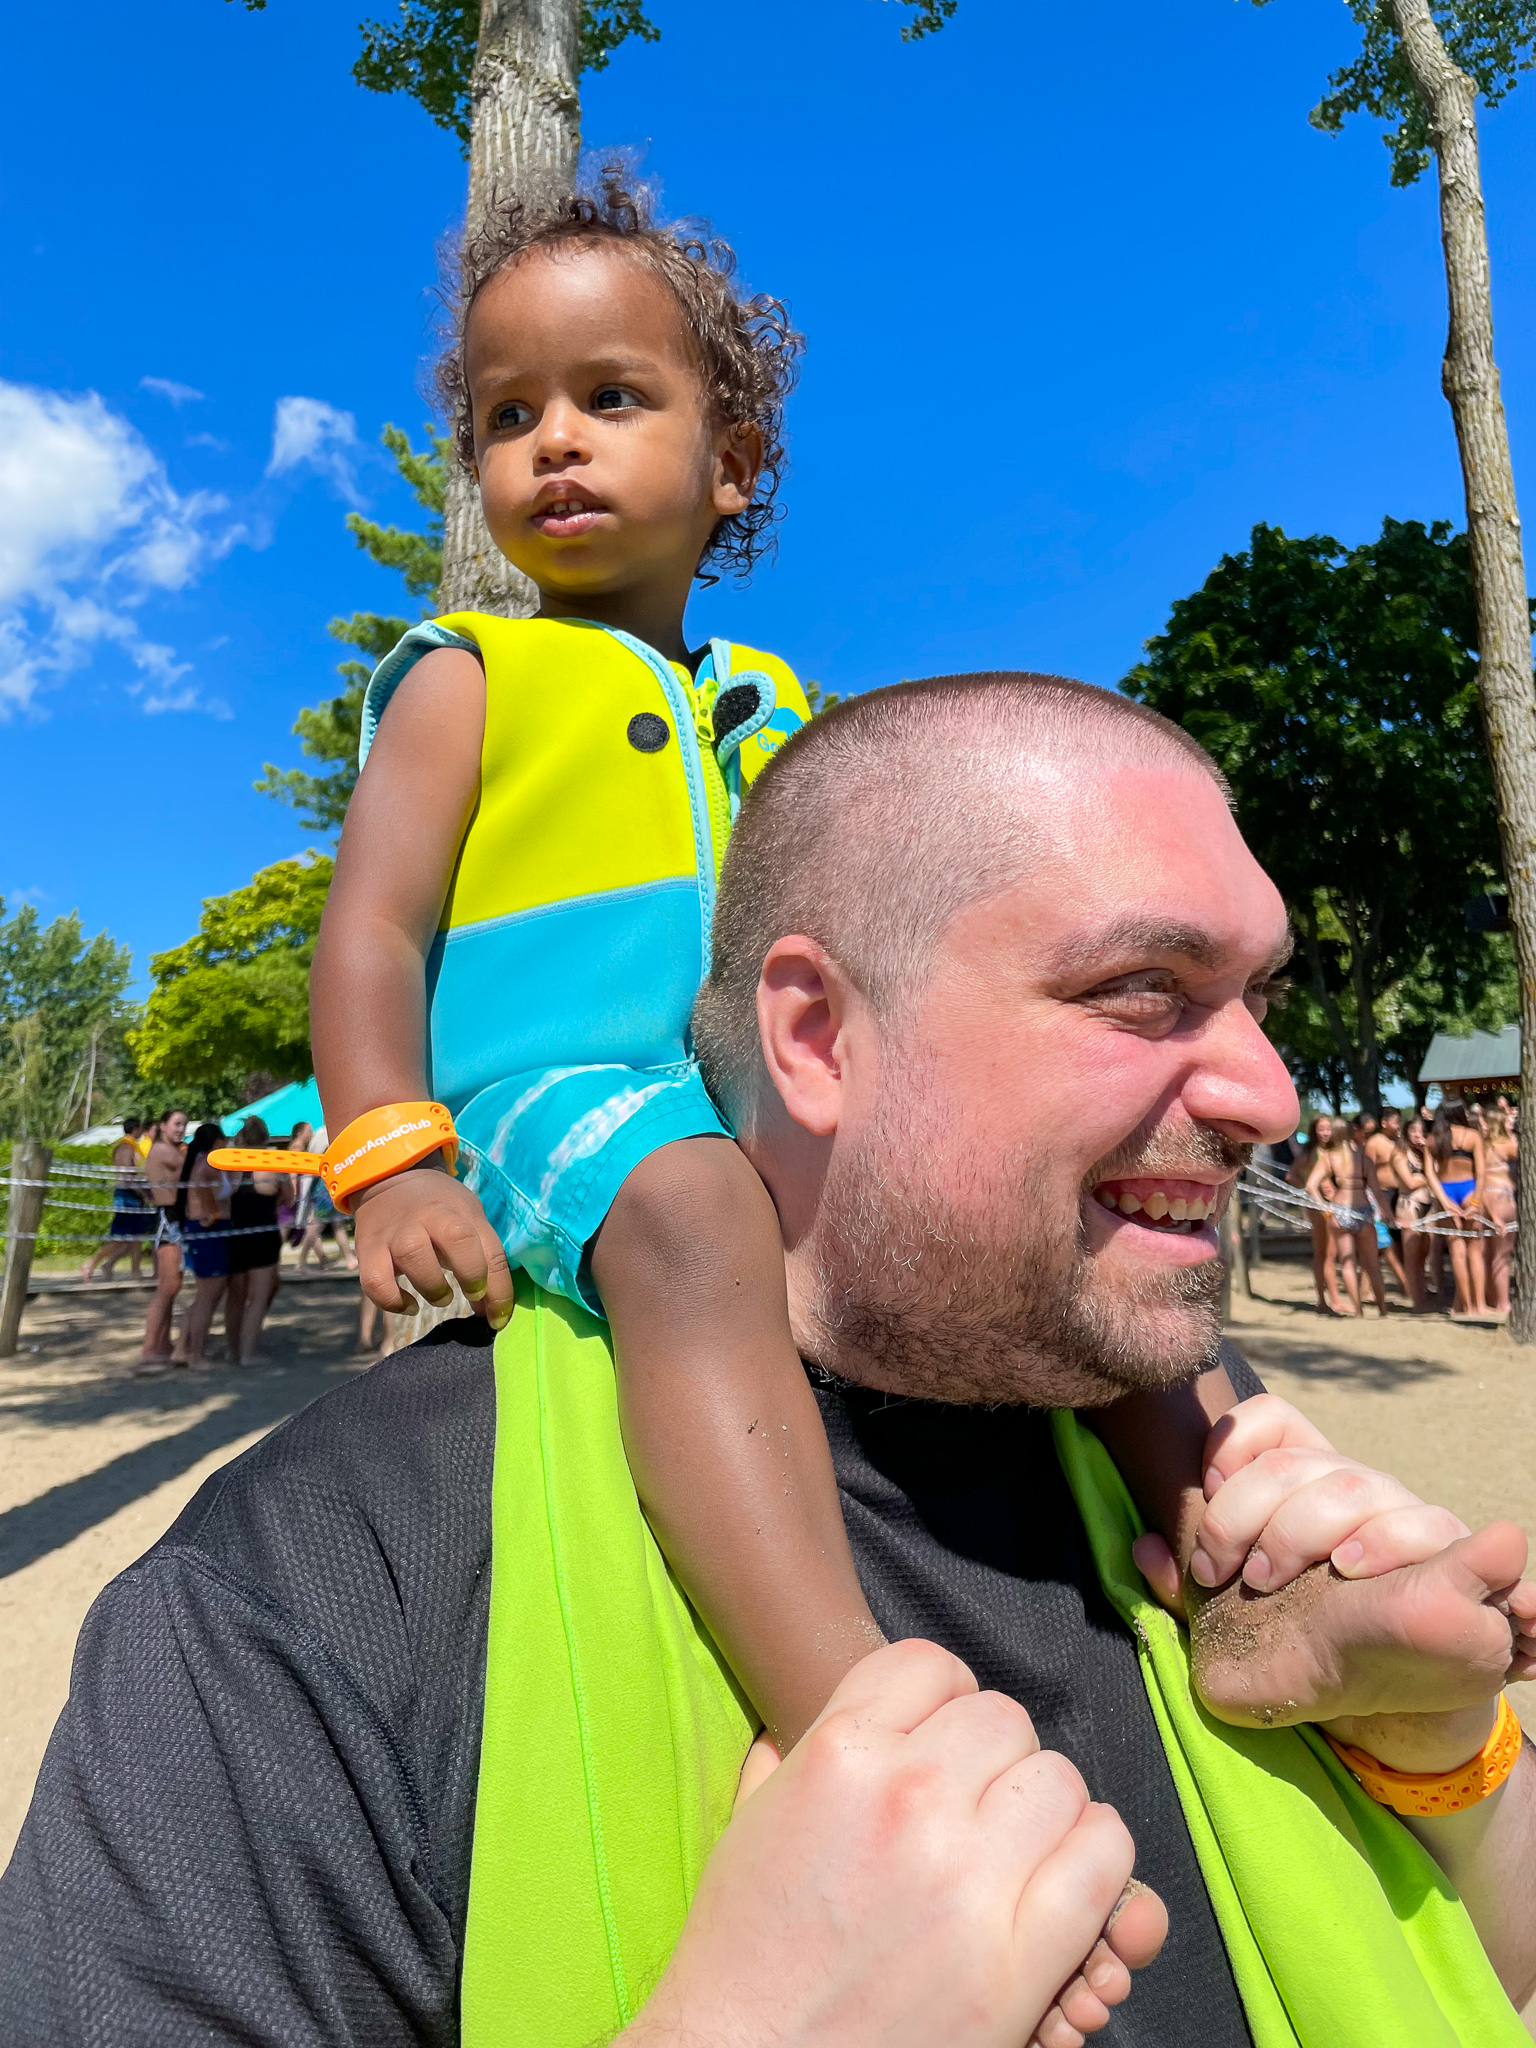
(162,1178)
(1380,1142)
(130,1221)
(990,959)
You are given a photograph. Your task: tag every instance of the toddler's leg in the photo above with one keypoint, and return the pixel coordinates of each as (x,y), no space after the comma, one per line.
(723,1433)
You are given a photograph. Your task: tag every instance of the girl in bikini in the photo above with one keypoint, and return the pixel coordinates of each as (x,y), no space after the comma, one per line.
(1415,1199)
(1456,1163)
(1324,1276)
(1501,1161)
(1351,1225)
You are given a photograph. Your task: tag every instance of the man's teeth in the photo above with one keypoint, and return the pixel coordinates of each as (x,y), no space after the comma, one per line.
(1157,1207)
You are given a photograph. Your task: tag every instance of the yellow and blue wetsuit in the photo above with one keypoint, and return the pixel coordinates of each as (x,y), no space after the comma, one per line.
(576,927)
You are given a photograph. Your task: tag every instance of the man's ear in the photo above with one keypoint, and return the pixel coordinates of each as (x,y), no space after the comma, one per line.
(802,1008)
(738,464)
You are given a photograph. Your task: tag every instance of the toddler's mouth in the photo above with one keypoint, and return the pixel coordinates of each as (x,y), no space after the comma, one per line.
(1179,1207)
(564,517)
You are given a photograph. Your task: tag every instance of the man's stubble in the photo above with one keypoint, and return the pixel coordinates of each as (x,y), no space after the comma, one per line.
(985,1291)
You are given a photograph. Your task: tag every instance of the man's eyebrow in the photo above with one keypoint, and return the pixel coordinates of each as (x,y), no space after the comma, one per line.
(1129,938)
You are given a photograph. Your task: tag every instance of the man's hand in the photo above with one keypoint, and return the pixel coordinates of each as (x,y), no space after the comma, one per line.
(1354,1599)
(917,1870)
(424,1224)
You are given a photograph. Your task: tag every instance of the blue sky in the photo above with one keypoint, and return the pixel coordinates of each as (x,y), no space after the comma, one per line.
(1085,297)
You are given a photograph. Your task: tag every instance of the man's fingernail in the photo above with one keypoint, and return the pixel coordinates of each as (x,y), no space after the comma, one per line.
(1201,1570)
(1348,1555)
(1258,1571)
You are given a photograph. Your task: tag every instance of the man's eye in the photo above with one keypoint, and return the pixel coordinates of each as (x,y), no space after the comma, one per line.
(1263,993)
(614,398)
(1145,1007)
(513,414)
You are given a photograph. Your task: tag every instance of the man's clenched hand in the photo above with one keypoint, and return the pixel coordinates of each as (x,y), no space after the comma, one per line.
(1319,1588)
(918,1869)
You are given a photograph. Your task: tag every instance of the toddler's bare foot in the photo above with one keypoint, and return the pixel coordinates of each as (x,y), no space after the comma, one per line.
(1427,1638)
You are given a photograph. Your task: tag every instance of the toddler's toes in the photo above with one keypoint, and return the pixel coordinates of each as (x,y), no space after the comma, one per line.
(1107,1977)
(1055,2031)
(1138,1927)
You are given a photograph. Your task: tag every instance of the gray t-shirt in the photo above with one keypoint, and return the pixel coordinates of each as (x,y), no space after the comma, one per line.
(254,1819)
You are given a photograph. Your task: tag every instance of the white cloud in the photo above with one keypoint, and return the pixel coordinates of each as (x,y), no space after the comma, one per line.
(167,387)
(208,441)
(90,527)
(309,434)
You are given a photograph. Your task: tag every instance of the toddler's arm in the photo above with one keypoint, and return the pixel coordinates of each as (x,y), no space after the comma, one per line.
(723,1433)
(404,827)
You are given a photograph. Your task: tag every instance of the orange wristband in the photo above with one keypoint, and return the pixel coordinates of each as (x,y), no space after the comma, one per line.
(384,1141)
(1447,1791)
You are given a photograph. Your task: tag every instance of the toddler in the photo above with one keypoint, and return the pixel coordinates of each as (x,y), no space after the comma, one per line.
(521,907)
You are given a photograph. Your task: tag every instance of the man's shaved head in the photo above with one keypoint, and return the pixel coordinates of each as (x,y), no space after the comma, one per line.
(878,823)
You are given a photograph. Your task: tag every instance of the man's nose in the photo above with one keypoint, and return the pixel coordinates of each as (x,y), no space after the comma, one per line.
(1239,1081)
(562,436)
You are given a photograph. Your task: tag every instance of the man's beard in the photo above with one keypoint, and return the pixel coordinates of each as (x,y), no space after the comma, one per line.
(988,1292)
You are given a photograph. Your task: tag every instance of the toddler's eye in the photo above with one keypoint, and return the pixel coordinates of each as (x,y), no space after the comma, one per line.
(614,398)
(513,414)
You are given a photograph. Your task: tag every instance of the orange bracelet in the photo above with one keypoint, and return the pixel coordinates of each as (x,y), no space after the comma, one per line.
(1409,1793)
(385,1141)
(372,1147)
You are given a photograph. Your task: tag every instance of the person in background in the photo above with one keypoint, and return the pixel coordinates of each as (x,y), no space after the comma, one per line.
(205,1242)
(1324,1278)
(318,1217)
(162,1177)
(1456,1160)
(1415,1199)
(1379,1142)
(131,1220)
(1501,1165)
(255,1247)
(1343,1166)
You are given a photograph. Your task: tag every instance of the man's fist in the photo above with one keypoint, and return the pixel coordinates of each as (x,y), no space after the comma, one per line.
(917,1870)
(424,1225)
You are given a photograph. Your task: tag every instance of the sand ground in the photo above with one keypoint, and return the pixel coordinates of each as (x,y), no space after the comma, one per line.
(96,1464)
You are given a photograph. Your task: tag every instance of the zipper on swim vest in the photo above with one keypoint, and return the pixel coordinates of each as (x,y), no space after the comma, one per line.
(715,793)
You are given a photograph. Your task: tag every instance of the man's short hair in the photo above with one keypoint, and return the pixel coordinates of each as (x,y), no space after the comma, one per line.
(881,820)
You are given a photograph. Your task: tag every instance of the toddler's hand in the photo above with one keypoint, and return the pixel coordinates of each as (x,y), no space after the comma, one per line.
(424,1225)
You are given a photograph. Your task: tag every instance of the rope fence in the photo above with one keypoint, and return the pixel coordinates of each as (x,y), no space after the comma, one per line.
(1276,1198)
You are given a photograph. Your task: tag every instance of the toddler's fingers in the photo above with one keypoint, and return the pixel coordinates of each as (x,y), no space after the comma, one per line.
(416,1261)
(1262,1423)
(1401,1536)
(497,1303)
(376,1276)
(459,1244)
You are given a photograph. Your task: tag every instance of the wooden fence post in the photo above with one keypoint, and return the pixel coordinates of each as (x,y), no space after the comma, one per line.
(30,1162)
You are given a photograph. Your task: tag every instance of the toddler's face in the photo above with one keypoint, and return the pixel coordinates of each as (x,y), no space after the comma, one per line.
(599,466)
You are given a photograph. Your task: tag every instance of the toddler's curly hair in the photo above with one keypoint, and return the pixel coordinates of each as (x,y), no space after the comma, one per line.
(746,351)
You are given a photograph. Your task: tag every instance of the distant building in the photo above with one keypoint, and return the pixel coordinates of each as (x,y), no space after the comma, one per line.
(1483,1062)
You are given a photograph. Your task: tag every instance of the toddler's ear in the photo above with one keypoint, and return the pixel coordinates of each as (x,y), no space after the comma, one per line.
(738,464)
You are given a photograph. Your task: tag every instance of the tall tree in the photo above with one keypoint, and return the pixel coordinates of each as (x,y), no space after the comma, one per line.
(62,1024)
(329,730)
(1337,688)
(228,1016)
(1422,68)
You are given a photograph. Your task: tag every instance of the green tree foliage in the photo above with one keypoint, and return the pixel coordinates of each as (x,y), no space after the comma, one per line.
(428,50)
(62,1025)
(1337,689)
(328,732)
(233,1002)
(1491,40)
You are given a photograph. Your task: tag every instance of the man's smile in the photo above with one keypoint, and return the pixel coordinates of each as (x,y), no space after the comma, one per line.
(1163,1206)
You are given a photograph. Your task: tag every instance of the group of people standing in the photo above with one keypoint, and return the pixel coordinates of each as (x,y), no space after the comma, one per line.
(226,1230)
(1382,1180)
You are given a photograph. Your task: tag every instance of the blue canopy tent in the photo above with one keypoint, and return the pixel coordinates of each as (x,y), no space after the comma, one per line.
(296,1103)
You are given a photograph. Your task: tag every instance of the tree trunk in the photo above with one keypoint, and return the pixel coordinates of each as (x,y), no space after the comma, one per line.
(525,130)
(1471,381)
